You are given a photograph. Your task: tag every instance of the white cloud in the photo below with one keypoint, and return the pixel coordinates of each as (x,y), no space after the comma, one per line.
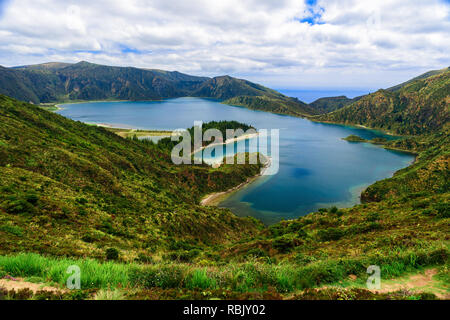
(341,43)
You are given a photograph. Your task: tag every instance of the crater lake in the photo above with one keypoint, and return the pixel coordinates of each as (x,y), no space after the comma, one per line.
(316,169)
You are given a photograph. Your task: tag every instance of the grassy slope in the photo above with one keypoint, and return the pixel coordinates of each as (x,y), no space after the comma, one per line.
(418,107)
(72,189)
(284,105)
(329,104)
(422,76)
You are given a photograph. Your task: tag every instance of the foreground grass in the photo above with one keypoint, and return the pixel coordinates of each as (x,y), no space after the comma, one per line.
(250,276)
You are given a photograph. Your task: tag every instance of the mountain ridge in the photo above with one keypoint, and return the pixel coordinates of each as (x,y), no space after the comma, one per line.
(57,82)
(418,106)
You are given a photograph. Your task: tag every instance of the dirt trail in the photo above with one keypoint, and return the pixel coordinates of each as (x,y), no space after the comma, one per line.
(18,284)
(418,282)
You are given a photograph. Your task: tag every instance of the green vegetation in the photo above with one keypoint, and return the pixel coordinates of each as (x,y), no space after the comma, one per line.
(234,278)
(166,144)
(71,193)
(77,190)
(417,107)
(422,76)
(275,104)
(354,138)
(325,105)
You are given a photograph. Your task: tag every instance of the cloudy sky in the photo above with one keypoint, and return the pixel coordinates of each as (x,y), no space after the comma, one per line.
(280,43)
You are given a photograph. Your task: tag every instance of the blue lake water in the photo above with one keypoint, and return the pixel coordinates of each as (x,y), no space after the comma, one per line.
(317,168)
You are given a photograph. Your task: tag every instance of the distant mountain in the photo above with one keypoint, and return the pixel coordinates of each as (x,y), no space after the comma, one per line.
(44,66)
(55,82)
(418,106)
(290,106)
(328,104)
(251,95)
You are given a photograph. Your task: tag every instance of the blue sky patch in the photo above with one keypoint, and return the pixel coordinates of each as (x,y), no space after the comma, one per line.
(3,4)
(126,49)
(313,13)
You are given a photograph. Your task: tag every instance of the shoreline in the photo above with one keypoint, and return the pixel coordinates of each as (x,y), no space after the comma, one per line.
(218,197)
(307,117)
(393,134)
(58,104)
(215,198)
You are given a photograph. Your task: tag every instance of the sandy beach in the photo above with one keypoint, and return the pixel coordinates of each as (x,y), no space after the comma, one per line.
(214,199)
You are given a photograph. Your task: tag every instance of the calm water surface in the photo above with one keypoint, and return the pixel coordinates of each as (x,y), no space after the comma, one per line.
(317,168)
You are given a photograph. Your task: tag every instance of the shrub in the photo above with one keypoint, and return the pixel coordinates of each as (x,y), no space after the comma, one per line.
(333,209)
(363,228)
(32,198)
(144,258)
(199,279)
(420,204)
(443,209)
(330,234)
(18,206)
(15,230)
(372,217)
(283,244)
(302,234)
(256,252)
(112,254)
(183,255)
(303,259)
(163,277)
(82,200)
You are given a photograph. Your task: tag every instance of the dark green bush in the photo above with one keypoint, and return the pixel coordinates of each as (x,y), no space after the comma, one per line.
(112,254)
(18,206)
(32,198)
(363,228)
(372,217)
(257,252)
(303,259)
(283,244)
(330,234)
(144,258)
(443,209)
(15,230)
(183,255)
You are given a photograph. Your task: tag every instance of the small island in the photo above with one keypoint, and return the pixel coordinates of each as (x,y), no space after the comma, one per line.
(355,138)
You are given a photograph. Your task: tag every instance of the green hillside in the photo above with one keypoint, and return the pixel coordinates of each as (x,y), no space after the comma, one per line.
(418,107)
(72,189)
(422,76)
(329,104)
(282,105)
